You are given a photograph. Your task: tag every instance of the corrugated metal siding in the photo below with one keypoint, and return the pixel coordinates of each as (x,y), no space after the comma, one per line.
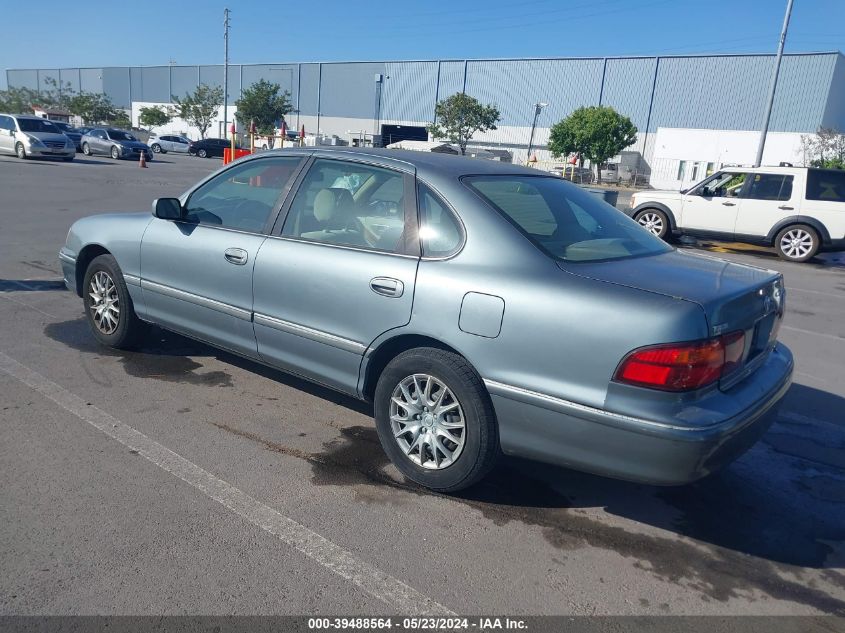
(349,90)
(451,80)
(70,77)
(834,114)
(22,79)
(515,86)
(309,89)
(627,87)
(729,93)
(116,85)
(408,93)
(92,79)
(155,84)
(286,75)
(184,80)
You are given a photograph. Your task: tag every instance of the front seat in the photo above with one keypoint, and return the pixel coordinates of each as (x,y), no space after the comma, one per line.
(334,215)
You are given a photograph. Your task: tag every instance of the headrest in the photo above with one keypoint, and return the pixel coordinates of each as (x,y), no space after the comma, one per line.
(328,202)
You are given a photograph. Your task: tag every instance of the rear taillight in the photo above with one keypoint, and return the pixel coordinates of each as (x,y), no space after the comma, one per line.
(683,366)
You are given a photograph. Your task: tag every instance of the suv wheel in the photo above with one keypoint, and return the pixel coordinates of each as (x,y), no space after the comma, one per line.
(797,243)
(654,221)
(20,150)
(435,419)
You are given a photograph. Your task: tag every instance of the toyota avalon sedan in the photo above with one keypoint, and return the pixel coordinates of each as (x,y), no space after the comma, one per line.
(482,308)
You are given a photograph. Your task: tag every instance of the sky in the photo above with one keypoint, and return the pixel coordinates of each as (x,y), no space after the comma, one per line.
(156,32)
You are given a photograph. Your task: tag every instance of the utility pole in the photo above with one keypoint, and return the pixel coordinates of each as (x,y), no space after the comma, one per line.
(538,107)
(225,69)
(774,85)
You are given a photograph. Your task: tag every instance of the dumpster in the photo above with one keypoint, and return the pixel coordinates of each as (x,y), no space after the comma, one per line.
(608,195)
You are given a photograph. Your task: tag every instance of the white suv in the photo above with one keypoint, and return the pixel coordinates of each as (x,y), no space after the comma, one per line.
(798,210)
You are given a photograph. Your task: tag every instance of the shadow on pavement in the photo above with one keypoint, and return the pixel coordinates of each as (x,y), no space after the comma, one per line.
(30,285)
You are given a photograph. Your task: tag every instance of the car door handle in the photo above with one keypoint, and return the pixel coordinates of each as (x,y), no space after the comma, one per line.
(785,207)
(387,286)
(237,256)
(729,204)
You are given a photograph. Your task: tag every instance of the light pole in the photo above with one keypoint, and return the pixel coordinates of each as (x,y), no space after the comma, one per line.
(773,86)
(538,107)
(225,67)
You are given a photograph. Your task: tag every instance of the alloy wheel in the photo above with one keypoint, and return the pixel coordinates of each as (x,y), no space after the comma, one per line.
(652,222)
(105,303)
(796,243)
(427,421)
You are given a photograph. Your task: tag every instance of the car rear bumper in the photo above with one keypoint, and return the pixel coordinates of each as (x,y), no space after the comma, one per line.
(552,430)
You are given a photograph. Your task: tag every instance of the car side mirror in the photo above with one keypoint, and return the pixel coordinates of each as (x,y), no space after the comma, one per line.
(167,208)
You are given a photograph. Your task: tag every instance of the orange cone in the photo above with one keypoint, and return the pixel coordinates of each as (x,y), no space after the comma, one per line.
(143,161)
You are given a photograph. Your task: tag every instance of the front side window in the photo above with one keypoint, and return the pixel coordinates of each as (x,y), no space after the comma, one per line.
(349,203)
(770,187)
(722,185)
(826,185)
(440,232)
(244,196)
(6,123)
(565,221)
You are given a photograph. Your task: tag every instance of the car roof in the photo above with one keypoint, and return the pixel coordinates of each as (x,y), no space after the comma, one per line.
(426,163)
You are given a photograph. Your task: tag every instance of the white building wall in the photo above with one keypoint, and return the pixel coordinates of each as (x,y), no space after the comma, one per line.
(180,126)
(704,150)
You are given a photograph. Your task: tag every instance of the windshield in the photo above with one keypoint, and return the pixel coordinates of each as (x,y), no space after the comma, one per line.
(38,125)
(565,221)
(120,135)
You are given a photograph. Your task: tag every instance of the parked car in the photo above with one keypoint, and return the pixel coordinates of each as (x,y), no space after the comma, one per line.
(115,143)
(85,129)
(797,210)
(71,132)
(168,143)
(482,307)
(209,147)
(28,136)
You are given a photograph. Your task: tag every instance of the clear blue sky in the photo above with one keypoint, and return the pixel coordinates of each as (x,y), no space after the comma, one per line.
(100,32)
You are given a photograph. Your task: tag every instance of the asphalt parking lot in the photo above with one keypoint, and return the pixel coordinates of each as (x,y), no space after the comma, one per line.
(279,500)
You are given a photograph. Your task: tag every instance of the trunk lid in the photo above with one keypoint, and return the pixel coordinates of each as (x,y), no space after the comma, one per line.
(733,296)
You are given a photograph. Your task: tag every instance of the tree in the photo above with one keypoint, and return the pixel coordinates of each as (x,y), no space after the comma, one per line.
(460,116)
(17,100)
(153,116)
(95,108)
(263,103)
(596,133)
(200,108)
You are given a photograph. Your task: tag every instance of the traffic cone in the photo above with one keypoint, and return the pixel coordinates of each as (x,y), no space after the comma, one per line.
(143,161)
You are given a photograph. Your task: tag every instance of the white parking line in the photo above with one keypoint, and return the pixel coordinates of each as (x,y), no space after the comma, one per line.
(815,292)
(400,596)
(823,335)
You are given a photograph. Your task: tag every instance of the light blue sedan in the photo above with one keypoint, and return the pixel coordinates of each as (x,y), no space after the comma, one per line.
(483,308)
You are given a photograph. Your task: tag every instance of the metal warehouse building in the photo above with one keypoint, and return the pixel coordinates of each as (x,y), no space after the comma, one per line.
(709,106)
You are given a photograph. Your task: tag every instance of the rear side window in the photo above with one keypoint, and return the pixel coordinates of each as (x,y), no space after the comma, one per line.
(770,187)
(440,232)
(565,221)
(826,184)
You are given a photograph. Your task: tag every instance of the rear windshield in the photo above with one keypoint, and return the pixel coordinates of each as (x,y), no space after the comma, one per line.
(826,184)
(38,125)
(565,221)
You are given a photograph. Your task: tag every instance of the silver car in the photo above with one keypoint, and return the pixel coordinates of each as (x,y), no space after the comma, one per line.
(115,143)
(28,136)
(483,308)
(169,143)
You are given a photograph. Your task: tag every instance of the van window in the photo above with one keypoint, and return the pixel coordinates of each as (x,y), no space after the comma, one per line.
(826,184)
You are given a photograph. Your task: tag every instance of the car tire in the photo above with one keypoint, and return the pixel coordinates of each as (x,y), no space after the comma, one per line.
(20,151)
(654,221)
(156,148)
(797,243)
(108,306)
(202,153)
(115,153)
(446,408)
(85,149)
